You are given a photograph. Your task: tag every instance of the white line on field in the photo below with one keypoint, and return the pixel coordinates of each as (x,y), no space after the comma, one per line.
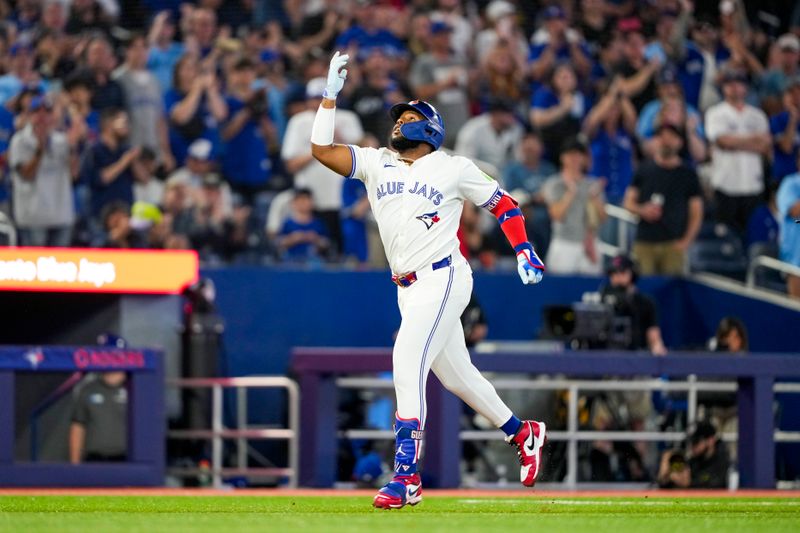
(625,502)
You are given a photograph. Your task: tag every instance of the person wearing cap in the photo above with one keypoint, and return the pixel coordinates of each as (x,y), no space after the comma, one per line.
(638,71)
(624,296)
(200,162)
(41,160)
(452,13)
(707,466)
(303,236)
(577,209)
(249,135)
(665,193)
(782,70)
(440,77)
(379,88)
(417,193)
(740,139)
(785,130)
(557,43)
(325,185)
(217,228)
(502,27)
(704,55)
(491,136)
(20,73)
(671,108)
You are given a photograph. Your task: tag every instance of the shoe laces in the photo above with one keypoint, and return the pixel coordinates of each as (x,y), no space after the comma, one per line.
(517,446)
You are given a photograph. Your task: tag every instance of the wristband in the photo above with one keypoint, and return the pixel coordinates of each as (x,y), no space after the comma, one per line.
(322,130)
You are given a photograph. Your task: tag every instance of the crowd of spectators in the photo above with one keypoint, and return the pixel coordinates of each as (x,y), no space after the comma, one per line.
(171,125)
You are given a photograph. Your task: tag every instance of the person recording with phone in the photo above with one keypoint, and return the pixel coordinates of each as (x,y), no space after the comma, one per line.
(665,193)
(704,467)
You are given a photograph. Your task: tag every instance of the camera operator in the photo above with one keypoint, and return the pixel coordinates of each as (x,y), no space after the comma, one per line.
(706,468)
(621,293)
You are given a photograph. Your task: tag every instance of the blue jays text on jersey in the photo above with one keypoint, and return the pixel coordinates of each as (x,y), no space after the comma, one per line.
(397,187)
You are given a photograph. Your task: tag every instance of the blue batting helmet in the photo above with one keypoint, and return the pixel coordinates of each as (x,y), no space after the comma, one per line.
(430,130)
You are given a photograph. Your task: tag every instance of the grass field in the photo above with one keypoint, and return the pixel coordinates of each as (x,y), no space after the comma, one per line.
(223,514)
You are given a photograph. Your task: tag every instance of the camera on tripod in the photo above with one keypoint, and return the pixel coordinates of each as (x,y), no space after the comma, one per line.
(594,323)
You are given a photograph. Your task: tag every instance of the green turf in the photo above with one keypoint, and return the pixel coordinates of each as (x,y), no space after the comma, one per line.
(176,514)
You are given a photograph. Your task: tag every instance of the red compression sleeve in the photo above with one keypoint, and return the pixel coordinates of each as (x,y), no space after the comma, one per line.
(511,220)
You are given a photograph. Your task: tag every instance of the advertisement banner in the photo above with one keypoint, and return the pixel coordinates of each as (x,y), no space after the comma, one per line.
(96,270)
(75,358)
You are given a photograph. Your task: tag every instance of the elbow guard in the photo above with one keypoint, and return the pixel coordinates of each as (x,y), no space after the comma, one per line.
(511,220)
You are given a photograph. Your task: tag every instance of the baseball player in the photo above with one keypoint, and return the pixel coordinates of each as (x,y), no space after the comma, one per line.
(416,193)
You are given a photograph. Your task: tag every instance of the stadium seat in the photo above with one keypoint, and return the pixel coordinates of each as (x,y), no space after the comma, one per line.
(766,278)
(721,255)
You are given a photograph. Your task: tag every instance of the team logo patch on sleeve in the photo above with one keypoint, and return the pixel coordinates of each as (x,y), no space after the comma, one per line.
(429,219)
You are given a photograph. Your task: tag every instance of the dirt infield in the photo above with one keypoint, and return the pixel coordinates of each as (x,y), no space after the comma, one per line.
(459,493)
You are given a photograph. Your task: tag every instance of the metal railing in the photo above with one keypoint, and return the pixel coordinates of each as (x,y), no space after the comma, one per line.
(763,261)
(243,432)
(573,435)
(624,218)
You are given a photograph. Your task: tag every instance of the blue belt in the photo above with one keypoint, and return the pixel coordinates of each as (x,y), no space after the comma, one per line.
(405,280)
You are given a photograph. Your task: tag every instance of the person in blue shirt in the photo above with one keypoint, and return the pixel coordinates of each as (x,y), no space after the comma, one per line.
(558,109)
(355,207)
(303,236)
(671,108)
(785,129)
(248,133)
(6,132)
(610,128)
(558,44)
(703,55)
(164,51)
(195,107)
(20,73)
(109,166)
(788,202)
(762,226)
(366,33)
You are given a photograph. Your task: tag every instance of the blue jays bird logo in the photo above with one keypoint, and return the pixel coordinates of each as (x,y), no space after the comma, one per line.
(429,219)
(34,357)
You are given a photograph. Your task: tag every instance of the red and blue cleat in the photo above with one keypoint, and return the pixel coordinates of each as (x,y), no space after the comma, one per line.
(399,492)
(529,441)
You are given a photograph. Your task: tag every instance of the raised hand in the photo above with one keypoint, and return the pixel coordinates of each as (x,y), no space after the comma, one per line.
(336,75)
(529,266)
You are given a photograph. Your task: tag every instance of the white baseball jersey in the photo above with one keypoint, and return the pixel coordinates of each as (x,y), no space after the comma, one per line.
(418,206)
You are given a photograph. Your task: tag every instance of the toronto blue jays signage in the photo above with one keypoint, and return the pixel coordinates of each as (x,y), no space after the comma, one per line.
(71,358)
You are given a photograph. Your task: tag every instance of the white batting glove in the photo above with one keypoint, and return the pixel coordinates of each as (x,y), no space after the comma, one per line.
(529,266)
(336,75)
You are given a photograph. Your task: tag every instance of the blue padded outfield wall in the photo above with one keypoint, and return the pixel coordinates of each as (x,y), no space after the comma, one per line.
(267,311)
